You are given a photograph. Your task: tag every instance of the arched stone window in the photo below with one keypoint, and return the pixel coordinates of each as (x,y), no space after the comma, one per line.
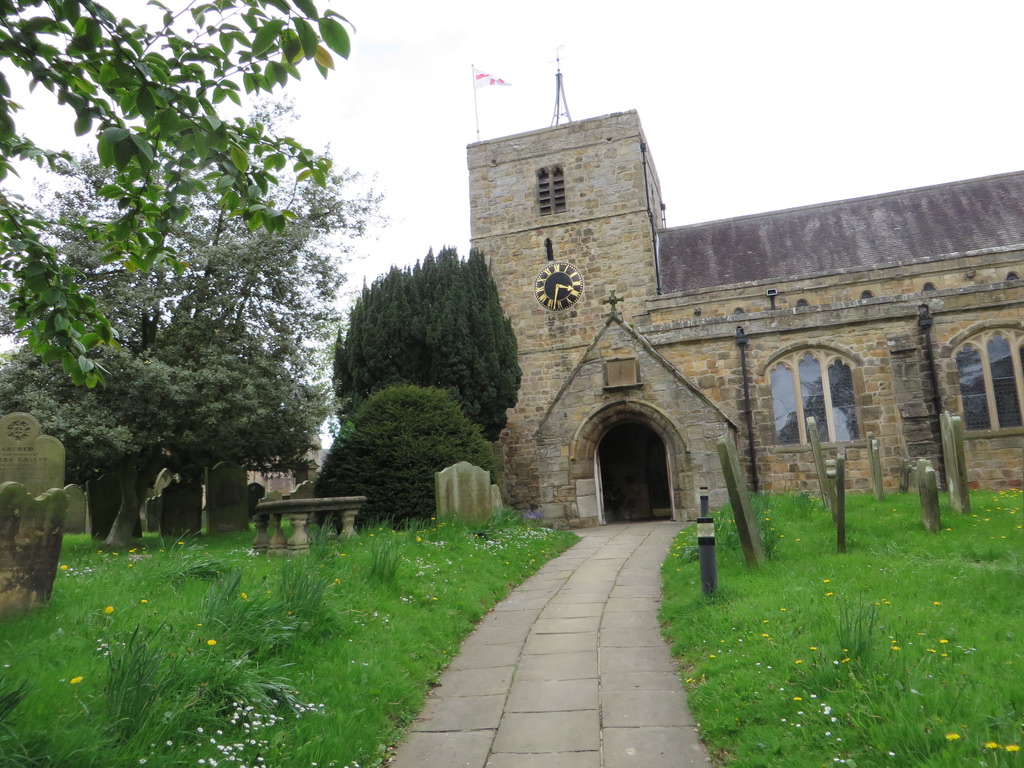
(928,287)
(551,190)
(990,367)
(814,383)
(549,249)
(867,295)
(1012,276)
(802,303)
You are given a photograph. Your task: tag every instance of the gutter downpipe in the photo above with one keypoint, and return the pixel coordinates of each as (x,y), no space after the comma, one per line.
(924,322)
(741,342)
(650,218)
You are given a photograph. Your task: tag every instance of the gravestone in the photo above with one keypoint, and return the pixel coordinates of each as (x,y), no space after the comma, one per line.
(303,490)
(464,490)
(928,490)
(154,505)
(963,503)
(830,485)
(739,498)
(255,492)
(26,457)
(875,460)
(840,499)
(104,498)
(77,520)
(31,532)
(819,463)
(908,475)
(182,503)
(227,498)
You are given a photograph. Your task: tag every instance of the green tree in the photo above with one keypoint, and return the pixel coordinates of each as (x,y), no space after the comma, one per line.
(395,443)
(437,324)
(223,361)
(150,95)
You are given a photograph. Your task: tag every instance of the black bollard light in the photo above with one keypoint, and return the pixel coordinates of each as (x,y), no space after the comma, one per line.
(706,546)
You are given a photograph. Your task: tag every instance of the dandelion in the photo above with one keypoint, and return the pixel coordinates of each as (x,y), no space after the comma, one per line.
(211,642)
(109,609)
(936,602)
(991,745)
(76,680)
(245,596)
(952,736)
(1012,747)
(143,600)
(63,567)
(799,661)
(943,642)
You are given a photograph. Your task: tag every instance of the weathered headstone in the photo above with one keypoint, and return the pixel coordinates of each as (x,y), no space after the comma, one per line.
(31,532)
(830,486)
(303,490)
(36,461)
(104,498)
(255,492)
(963,503)
(227,498)
(928,491)
(840,499)
(739,498)
(875,461)
(182,508)
(908,475)
(77,517)
(464,490)
(154,505)
(819,462)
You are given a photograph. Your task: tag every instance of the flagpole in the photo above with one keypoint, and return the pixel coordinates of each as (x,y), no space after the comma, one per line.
(476,112)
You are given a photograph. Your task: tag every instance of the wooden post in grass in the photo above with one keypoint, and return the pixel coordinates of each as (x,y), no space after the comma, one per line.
(739,498)
(819,462)
(927,488)
(840,515)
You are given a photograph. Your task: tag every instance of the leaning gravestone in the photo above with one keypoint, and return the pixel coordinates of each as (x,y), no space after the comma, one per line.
(36,461)
(254,492)
(104,494)
(33,508)
(739,498)
(77,520)
(963,501)
(819,463)
(154,506)
(464,490)
(227,498)
(304,490)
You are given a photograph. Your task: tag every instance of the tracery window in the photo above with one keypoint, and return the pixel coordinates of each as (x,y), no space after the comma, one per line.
(814,383)
(990,367)
(551,190)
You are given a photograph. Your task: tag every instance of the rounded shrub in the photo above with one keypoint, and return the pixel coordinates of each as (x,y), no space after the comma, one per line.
(394,444)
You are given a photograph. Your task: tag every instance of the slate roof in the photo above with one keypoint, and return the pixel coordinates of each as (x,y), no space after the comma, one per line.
(920,224)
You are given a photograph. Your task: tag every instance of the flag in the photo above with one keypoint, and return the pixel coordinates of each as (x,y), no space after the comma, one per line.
(482,78)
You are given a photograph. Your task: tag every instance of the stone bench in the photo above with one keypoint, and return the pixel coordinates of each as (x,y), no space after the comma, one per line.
(300,512)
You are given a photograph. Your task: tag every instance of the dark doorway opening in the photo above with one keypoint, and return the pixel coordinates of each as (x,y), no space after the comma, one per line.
(634,474)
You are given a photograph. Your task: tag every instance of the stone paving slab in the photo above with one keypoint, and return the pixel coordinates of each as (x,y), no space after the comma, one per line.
(653,747)
(630,709)
(552,695)
(558,666)
(461,713)
(453,749)
(590,759)
(561,643)
(548,732)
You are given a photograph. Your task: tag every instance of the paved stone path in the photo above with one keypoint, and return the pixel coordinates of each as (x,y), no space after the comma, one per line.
(570,671)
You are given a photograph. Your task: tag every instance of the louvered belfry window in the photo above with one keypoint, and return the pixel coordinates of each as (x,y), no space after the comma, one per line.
(551,190)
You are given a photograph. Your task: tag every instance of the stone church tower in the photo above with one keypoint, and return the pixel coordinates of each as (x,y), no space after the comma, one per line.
(585,199)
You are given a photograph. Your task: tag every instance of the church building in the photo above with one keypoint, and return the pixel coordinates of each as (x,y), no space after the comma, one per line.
(641,345)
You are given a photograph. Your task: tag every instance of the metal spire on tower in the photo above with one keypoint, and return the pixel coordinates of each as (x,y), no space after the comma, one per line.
(561,103)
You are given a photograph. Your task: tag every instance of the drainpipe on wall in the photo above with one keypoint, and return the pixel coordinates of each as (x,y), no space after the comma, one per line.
(924,322)
(651,219)
(741,342)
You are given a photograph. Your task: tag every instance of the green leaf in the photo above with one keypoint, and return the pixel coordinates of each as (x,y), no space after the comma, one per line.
(267,37)
(145,102)
(307,7)
(83,124)
(307,36)
(335,35)
(239,158)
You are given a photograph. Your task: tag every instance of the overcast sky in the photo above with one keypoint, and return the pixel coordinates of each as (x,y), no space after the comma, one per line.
(748,106)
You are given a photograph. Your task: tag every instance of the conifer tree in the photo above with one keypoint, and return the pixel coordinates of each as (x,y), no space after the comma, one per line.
(437,324)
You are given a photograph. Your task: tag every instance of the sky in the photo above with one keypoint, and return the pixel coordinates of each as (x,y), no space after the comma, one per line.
(747,106)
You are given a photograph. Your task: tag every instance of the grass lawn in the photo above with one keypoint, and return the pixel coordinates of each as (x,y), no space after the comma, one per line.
(196,653)
(906,651)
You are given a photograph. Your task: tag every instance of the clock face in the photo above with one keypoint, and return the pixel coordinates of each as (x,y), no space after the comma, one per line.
(558,286)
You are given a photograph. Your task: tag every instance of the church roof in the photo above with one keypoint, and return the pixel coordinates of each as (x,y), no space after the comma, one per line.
(920,224)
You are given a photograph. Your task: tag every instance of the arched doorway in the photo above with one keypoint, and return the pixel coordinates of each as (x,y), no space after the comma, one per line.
(633,471)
